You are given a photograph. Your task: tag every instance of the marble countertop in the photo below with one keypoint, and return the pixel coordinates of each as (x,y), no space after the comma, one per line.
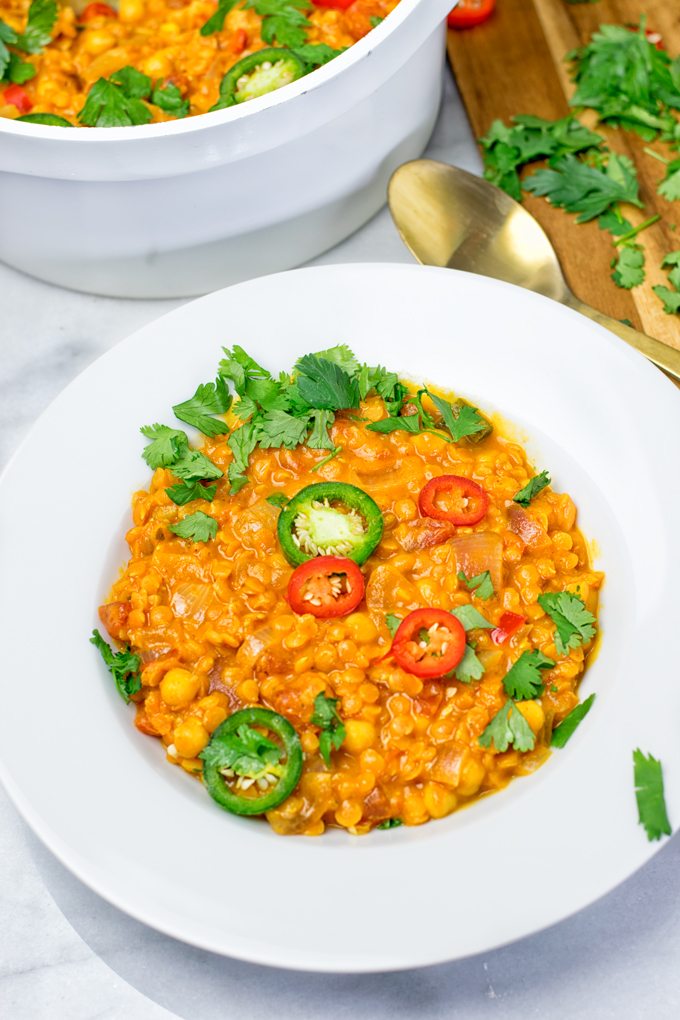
(66,954)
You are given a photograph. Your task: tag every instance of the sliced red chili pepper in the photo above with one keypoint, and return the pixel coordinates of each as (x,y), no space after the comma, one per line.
(339,5)
(429,643)
(97,10)
(18,97)
(471,12)
(508,625)
(326,586)
(655,38)
(453,498)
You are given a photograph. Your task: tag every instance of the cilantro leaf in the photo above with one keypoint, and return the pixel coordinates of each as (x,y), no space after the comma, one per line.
(613,221)
(670,298)
(323,384)
(216,22)
(241,369)
(123,666)
(673,260)
(480,585)
(469,668)
(587,190)
(562,733)
(629,266)
(194,466)
(392,621)
(282,21)
(319,438)
(532,488)
(186,492)
(390,823)
(247,752)
(649,793)
(670,185)
(16,70)
(342,356)
(42,15)
(241,442)
(460,419)
(278,499)
(209,399)
(405,423)
(49,119)
(471,618)
(167,445)
(107,105)
(198,527)
(508,727)
(317,54)
(523,680)
(280,428)
(134,84)
(167,97)
(574,623)
(324,460)
(332,727)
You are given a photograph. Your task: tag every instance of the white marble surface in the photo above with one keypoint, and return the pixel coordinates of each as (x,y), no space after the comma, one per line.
(65,954)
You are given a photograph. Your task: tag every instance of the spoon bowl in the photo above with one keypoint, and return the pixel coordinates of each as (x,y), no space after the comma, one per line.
(449,217)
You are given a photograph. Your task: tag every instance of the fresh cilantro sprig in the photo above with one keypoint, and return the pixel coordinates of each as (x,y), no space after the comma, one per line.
(332,727)
(480,585)
(186,492)
(283,21)
(670,297)
(198,527)
(121,100)
(508,727)
(532,488)
(649,793)
(629,266)
(589,191)
(208,400)
(123,666)
(523,680)
(471,618)
(216,22)
(574,624)
(247,752)
(167,445)
(566,729)
(42,15)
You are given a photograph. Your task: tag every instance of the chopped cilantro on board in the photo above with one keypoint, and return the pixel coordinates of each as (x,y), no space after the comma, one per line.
(589,191)
(123,666)
(532,488)
(332,727)
(523,680)
(508,727)
(629,266)
(198,527)
(566,729)
(649,793)
(574,624)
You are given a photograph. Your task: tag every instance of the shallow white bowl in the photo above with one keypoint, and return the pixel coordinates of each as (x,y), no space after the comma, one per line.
(187,206)
(145,835)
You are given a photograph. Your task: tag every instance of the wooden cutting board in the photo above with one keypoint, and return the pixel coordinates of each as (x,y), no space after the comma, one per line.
(514,63)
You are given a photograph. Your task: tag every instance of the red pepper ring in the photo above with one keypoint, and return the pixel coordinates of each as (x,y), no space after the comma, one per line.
(508,625)
(326,586)
(97,10)
(467,501)
(429,643)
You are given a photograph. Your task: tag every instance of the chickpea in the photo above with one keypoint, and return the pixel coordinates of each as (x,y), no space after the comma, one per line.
(179,687)
(190,737)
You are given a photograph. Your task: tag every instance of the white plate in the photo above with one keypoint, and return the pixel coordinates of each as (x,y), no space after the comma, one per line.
(150,840)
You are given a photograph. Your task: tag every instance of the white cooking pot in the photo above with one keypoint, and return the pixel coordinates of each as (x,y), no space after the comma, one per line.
(187,206)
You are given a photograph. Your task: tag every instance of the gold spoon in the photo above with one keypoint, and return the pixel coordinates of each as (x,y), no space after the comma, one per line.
(448,217)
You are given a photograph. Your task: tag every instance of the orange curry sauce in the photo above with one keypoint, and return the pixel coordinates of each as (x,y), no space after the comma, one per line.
(215,633)
(162,39)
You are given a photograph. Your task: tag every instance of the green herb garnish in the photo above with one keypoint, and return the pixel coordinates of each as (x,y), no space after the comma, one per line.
(480,585)
(508,727)
(649,793)
(471,618)
(123,666)
(562,733)
(198,527)
(469,668)
(186,492)
(574,623)
(278,499)
(42,15)
(283,22)
(532,488)
(523,680)
(390,823)
(332,727)
(167,445)
(392,621)
(629,267)
(208,400)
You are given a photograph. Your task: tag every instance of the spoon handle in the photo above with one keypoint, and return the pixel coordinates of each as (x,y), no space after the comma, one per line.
(663,356)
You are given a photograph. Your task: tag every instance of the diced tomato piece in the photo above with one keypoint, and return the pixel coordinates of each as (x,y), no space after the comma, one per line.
(508,625)
(16,96)
(471,12)
(97,10)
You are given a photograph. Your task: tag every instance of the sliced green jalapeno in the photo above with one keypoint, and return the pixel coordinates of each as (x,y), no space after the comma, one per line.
(330,519)
(257,74)
(244,770)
